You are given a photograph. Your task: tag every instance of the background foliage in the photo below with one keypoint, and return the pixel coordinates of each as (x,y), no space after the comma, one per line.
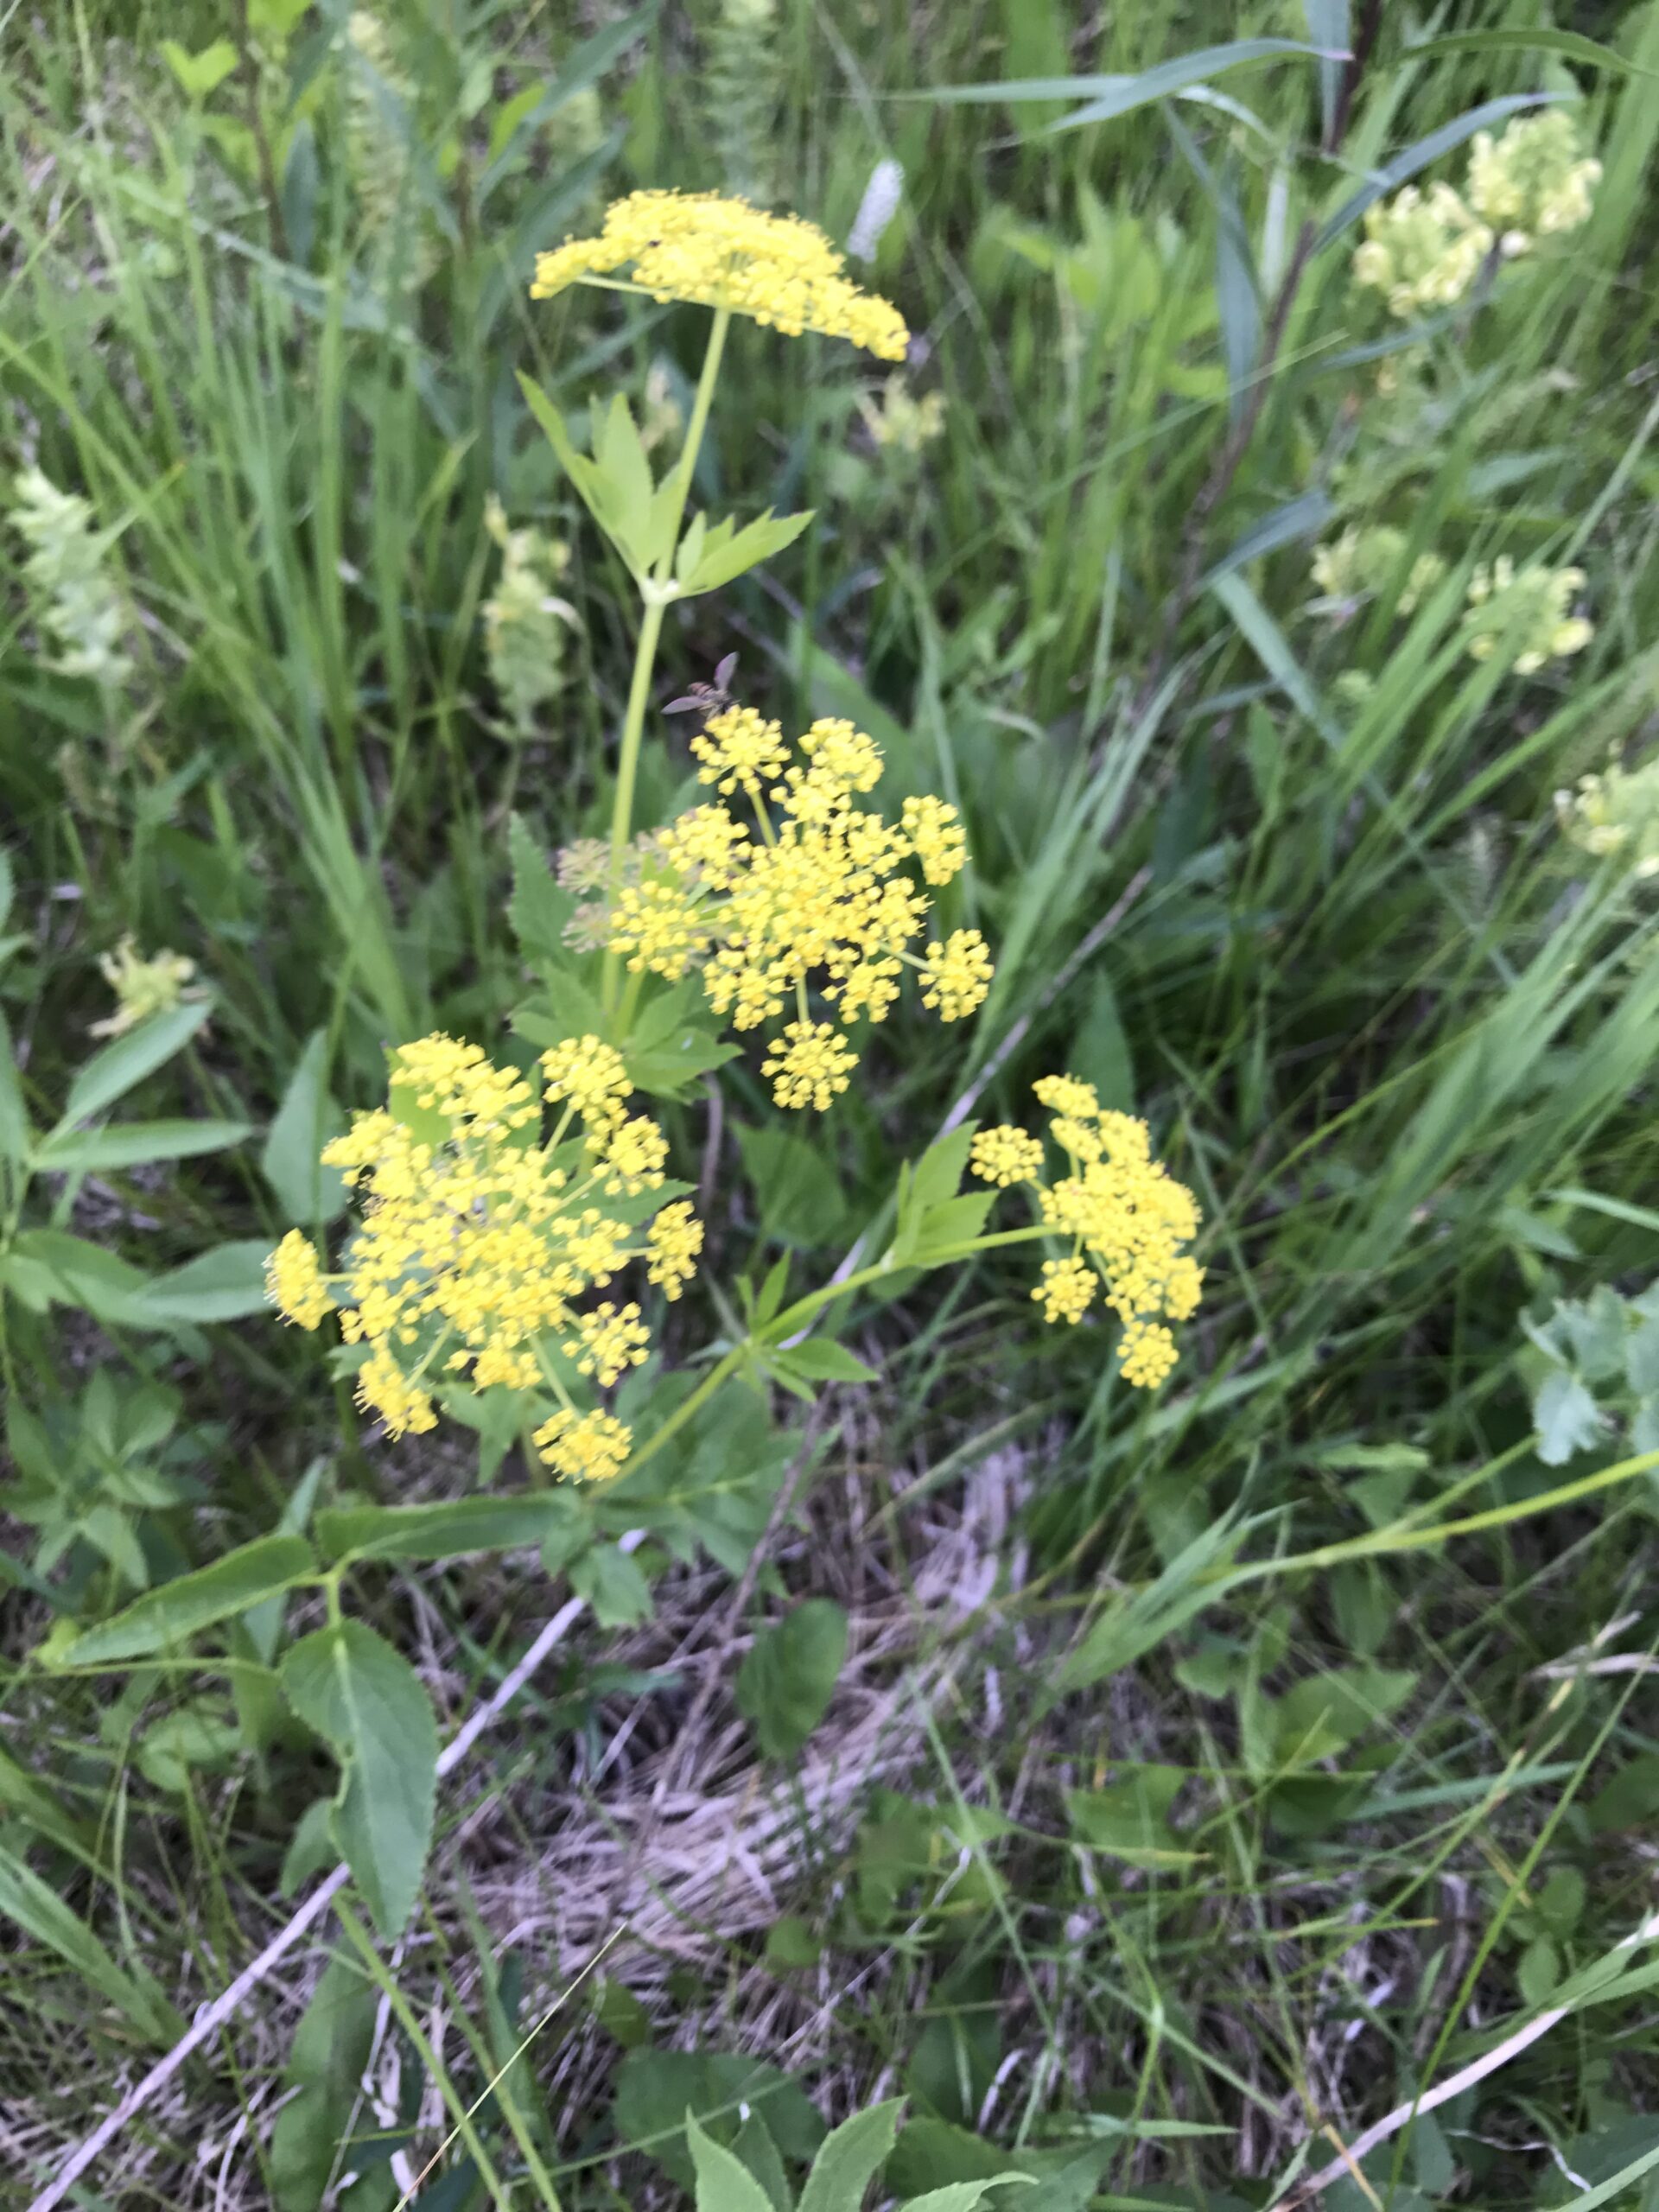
(1151,1795)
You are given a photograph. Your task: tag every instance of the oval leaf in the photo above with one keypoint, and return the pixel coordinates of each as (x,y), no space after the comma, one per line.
(449,1530)
(348,1684)
(784,1686)
(110,1075)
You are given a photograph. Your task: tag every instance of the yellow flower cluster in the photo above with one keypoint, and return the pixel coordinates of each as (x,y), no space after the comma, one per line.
(1421,250)
(1533,182)
(723,253)
(480,1234)
(1128,1219)
(142,986)
(1361,561)
(815,896)
(1524,615)
(1616,813)
(902,423)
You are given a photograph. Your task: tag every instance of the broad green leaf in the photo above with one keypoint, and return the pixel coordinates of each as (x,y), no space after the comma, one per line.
(274,20)
(23,1798)
(111,1073)
(450,1530)
(539,910)
(821,1360)
(724,2182)
(202,74)
(48,1267)
(223,1284)
(35,1907)
(1129,1818)
(655,2089)
(1564,1413)
(613,1586)
(801,1197)
(963,2196)
(311,1848)
(131,1144)
(851,2153)
(784,1686)
(307,1192)
(710,558)
(1406,164)
(1321,1716)
(181,1608)
(348,1684)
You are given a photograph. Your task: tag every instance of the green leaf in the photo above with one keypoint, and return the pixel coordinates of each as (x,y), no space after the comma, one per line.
(724,2182)
(851,2153)
(183,1607)
(821,1360)
(708,557)
(1107,97)
(656,2088)
(800,1196)
(615,485)
(274,19)
(1564,1414)
(48,1267)
(1130,1818)
(310,1847)
(307,1192)
(613,1586)
(225,1283)
(538,911)
(449,1530)
(1322,1715)
(349,1685)
(1132,1625)
(133,1143)
(1570,45)
(784,1686)
(13,1118)
(962,2196)
(202,74)
(1327,26)
(1405,165)
(35,1907)
(110,1074)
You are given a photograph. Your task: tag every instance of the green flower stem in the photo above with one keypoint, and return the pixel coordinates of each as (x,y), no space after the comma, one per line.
(650,631)
(797,1317)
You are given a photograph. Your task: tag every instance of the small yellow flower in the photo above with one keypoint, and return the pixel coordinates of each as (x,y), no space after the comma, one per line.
(739,748)
(934,828)
(633,1156)
(141,988)
(383,1389)
(810,1065)
(1421,249)
(1005,1156)
(674,1240)
(956,975)
(1534,182)
(1616,813)
(723,253)
(1128,1219)
(1145,1354)
(294,1282)
(587,1447)
(612,1341)
(1067,1289)
(587,1075)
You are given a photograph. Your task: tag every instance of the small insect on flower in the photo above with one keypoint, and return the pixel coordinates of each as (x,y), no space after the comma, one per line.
(723,253)
(815,898)
(481,1233)
(1128,1219)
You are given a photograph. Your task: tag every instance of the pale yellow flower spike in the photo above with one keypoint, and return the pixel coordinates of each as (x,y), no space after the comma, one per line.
(1129,1223)
(722,253)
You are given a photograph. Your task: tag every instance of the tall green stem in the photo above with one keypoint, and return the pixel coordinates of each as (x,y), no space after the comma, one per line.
(656,599)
